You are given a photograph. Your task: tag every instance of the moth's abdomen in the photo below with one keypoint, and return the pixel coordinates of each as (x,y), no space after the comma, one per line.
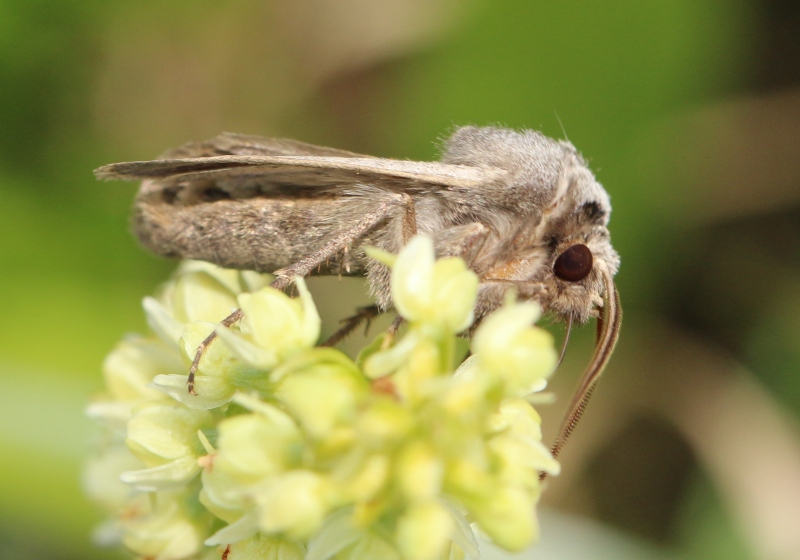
(260,233)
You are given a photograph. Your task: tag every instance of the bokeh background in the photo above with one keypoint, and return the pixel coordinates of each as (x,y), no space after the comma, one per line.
(688,110)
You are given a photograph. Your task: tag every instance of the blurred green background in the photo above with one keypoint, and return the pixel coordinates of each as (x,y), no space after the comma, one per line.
(688,110)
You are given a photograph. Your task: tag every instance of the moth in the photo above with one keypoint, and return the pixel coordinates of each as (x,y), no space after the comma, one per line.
(523,210)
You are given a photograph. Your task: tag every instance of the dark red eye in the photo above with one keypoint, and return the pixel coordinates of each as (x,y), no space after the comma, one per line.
(574,264)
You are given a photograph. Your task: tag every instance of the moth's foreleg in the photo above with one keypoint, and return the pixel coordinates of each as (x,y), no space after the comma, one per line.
(408,230)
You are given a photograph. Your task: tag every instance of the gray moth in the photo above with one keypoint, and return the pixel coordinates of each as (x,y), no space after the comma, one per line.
(523,210)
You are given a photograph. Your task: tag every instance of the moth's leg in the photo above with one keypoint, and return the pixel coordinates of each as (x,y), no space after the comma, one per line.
(227,322)
(408,228)
(350,324)
(302,267)
(391,332)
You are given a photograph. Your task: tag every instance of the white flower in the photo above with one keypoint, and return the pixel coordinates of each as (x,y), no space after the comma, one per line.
(164,437)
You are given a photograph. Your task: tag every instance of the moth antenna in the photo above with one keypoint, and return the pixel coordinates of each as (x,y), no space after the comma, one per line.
(608,331)
(561,124)
(564,342)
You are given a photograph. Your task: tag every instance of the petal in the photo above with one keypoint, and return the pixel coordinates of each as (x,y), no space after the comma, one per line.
(133,364)
(169,475)
(321,397)
(198,296)
(462,534)
(223,494)
(455,297)
(497,329)
(508,518)
(387,361)
(161,432)
(424,530)
(113,414)
(254,281)
(311,320)
(227,277)
(252,446)
(419,471)
(257,356)
(263,547)
(244,528)
(381,256)
(412,278)
(101,477)
(509,348)
(336,533)
(370,546)
(293,503)
(361,478)
(168,532)
(212,392)
(274,319)
(166,328)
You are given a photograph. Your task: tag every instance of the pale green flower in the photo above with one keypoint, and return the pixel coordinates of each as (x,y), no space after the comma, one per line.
(171,527)
(293,451)
(294,503)
(274,327)
(423,531)
(199,292)
(127,372)
(261,547)
(164,437)
(507,517)
(321,389)
(202,291)
(101,481)
(263,443)
(220,374)
(518,354)
(420,471)
(438,293)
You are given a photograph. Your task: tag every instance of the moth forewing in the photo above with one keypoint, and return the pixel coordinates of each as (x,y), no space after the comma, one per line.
(310,171)
(524,211)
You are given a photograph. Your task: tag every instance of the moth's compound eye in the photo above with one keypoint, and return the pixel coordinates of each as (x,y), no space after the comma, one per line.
(574,264)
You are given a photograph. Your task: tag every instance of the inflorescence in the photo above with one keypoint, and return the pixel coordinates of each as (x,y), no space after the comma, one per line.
(294,451)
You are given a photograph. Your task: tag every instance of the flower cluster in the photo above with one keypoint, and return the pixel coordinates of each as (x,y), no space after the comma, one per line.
(290,450)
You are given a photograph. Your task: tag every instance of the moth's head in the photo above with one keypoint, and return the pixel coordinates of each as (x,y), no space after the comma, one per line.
(549,215)
(579,262)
